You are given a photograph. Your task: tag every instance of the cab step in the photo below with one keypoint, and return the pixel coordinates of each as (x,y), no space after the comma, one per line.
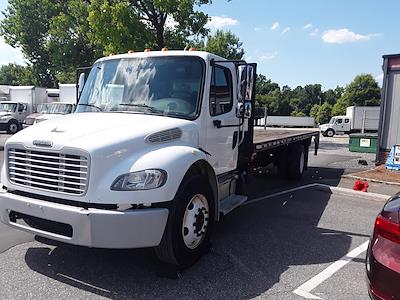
(230,203)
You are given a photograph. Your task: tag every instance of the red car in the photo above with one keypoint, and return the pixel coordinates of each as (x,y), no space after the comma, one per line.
(383,256)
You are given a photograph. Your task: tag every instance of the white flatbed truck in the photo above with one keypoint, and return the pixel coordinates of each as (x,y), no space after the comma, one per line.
(157,151)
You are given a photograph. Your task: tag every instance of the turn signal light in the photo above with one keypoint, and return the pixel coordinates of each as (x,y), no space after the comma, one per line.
(147,50)
(131,51)
(387,229)
(164,49)
(192,49)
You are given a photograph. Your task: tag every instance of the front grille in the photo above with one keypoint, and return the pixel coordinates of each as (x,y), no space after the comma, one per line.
(51,171)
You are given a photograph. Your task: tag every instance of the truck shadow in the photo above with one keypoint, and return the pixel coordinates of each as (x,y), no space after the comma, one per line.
(253,247)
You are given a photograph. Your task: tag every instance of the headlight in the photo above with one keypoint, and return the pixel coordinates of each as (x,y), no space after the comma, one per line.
(5,117)
(141,180)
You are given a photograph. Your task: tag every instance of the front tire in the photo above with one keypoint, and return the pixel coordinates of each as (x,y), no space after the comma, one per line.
(13,127)
(330,133)
(190,223)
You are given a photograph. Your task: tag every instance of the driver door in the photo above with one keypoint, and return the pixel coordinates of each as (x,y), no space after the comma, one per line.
(222,143)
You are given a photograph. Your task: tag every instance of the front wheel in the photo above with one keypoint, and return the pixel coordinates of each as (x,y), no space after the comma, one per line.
(13,127)
(190,222)
(330,133)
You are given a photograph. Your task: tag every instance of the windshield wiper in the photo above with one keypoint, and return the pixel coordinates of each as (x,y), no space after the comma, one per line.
(142,105)
(91,105)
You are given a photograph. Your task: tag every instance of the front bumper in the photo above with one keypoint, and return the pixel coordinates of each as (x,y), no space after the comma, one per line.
(3,126)
(100,228)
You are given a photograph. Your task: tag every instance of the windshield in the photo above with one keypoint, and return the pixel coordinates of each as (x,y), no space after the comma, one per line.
(155,85)
(60,108)
(332,121)
(41,108)
(8,107)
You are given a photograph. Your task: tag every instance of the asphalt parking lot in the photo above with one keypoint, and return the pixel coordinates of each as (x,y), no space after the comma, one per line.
(269,249)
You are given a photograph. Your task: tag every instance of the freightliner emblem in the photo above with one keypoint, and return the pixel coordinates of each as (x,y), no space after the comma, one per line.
(41,143)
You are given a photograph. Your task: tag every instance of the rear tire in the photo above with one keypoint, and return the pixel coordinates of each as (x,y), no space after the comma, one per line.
(190,223)
(296,163)
(13,127)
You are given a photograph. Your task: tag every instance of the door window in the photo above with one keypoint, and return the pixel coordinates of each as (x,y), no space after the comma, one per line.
(339,121)
(221,100)
(347,121)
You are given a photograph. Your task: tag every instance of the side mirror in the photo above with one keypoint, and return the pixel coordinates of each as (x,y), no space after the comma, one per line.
(244,110)
(81,83)
(241,80)
(247,109)
(250,83)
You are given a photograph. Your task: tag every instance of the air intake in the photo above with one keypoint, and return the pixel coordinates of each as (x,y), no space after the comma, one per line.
(164,136)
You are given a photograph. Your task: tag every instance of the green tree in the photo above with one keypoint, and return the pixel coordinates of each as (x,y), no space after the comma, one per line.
(224,44)
(154,23)
(314,112)
(324,113)
(363,91)
(13,74)
(296,113)
(51,34)
(339,109)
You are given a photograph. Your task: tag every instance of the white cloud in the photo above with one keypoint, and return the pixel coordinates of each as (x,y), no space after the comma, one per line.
(267,56)
(285,30)
(274,26)
(341,36)
(308,26)
(10,54)
(379,78)
(257,28)
(217,22)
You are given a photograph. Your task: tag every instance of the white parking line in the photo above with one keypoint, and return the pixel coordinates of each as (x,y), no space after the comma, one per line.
(305,289)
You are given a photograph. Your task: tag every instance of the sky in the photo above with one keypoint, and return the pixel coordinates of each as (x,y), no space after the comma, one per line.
(302,42)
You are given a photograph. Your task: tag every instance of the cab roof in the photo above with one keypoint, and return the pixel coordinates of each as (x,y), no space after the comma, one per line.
(202,54)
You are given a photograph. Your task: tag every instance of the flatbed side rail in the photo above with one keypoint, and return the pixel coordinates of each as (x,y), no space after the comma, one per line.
(263,146)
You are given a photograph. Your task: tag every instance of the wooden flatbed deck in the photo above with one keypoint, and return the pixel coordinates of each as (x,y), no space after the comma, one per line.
(275,137)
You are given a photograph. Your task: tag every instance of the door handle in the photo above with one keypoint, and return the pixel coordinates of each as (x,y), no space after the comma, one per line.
(235,138)
(217,123)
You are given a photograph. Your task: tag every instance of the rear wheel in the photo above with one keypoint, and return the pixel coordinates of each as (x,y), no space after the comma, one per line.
(296,163)
(190,222)
(13,127)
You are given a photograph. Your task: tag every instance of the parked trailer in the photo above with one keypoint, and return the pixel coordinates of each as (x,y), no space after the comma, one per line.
(22,102)
(68,93)
(287,121)
(153,158)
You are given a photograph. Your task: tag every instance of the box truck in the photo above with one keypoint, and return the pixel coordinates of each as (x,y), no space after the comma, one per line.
(158,151)
(21,103)
(357,119)
(66,104)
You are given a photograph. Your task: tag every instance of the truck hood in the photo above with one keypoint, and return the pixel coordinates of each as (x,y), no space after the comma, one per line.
(5,113)
(94,131)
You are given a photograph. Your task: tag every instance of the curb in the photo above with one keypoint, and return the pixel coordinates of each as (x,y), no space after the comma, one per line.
(325,187)
(370,179)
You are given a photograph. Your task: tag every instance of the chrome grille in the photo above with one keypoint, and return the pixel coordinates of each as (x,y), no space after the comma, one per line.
(58,172)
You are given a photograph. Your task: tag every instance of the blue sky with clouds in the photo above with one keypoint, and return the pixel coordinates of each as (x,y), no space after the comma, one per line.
(299,42)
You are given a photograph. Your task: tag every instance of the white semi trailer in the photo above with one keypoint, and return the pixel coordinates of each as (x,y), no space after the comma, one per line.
(21,103)
(357,119)
(158,150)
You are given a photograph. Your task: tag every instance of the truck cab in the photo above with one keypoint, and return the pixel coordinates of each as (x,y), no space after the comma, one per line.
(12,114)
(157,150)
(337,124)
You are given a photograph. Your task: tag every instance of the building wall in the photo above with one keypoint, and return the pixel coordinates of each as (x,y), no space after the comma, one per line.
(389,123)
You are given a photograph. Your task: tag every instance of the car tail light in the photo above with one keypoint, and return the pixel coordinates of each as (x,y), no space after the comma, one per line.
(387,229)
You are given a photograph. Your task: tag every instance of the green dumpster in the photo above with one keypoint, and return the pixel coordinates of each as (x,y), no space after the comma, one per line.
(363,142)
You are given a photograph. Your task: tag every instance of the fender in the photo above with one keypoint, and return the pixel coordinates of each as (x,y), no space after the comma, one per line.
(175,160)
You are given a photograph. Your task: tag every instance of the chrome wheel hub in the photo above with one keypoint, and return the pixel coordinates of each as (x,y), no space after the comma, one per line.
(195,221)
